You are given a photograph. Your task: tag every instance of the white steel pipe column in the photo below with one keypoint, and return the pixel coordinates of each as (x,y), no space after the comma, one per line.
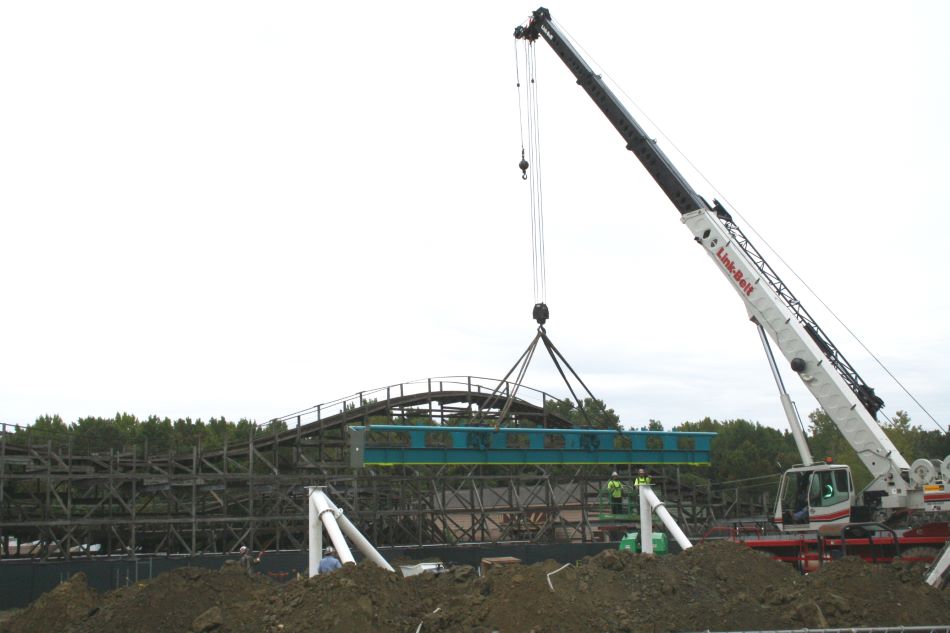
(650,503)
(315,534)
(361,542)
(646,521)
(323,513)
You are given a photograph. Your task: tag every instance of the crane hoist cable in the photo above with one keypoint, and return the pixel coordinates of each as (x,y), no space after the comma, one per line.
(528,113)
(528,110)
(523,165)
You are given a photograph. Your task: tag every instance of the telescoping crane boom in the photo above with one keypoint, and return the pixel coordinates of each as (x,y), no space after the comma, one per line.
(821,366)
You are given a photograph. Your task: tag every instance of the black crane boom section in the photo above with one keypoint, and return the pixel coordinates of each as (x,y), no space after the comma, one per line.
(643,147)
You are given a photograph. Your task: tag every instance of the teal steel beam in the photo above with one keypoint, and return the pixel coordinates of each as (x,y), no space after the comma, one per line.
(391,444)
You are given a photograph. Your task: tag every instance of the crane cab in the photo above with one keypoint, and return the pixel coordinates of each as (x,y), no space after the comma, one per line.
(813,496)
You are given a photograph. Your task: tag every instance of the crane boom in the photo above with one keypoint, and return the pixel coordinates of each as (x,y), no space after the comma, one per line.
(844,396)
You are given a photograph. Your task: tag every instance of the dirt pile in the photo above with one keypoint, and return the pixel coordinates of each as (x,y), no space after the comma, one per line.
(58,610)
(366,598)
(186,599)
(174,601)
(851,592)
(716,586)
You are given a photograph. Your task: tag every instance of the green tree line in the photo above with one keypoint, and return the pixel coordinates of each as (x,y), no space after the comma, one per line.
(742,450)
(745,450)
(592,413)
(126,432)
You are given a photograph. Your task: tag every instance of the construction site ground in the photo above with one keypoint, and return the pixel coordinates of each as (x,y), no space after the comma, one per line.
(718,586)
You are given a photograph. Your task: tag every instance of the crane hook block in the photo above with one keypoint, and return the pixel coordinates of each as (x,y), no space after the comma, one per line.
(540,313)
(524,169)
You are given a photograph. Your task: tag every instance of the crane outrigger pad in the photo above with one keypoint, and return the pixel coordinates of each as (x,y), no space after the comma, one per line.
(394,444)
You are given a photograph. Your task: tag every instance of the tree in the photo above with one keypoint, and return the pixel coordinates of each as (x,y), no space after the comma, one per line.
(592,413)
(99,435)
(155,434)
(50,425)
(903,434)
(216,432)
(912,441)
(826,441)
(933,444)
(743,450)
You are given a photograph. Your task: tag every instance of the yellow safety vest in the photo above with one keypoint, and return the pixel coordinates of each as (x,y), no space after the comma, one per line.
(643,481)
(615,488)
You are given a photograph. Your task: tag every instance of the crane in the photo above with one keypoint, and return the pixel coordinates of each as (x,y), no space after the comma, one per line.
(813,493)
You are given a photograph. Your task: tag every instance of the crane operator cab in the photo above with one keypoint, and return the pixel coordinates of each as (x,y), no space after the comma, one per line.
(813,496)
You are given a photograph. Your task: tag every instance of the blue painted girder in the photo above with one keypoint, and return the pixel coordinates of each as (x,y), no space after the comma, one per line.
(392,444)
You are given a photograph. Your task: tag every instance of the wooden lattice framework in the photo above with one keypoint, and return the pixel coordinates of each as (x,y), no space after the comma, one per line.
(59,501)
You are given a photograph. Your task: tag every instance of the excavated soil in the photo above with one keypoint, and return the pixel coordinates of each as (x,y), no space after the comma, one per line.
(68,604)
(716,586)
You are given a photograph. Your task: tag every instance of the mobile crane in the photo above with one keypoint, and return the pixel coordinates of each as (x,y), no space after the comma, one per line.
(814,495)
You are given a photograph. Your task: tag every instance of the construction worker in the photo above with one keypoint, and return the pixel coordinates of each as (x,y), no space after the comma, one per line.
(248,560)
(800,515)
(329,562)
(615,492)
(643,479)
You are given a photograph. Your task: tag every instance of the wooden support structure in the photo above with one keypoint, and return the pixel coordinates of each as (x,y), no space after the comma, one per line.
(59,499)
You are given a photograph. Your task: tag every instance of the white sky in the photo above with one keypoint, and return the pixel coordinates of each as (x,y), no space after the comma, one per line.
(246,208)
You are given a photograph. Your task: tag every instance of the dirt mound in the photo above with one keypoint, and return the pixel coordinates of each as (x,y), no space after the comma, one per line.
(851,592)
(718,586)
(715,586)
(364,598)
(61,608)
(172,602)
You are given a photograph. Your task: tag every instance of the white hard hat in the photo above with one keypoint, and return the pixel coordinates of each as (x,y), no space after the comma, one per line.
(329,550)
(243,549)
(614,474)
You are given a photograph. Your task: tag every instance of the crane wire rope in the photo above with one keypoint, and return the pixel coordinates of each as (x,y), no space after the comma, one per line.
(534,150)
(528,110)
(524,164)
(520,107)
(747,223)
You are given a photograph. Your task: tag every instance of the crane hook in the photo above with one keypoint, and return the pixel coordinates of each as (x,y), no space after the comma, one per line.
(524,167)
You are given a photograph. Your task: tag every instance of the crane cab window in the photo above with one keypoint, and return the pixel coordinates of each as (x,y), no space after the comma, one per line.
(828,487)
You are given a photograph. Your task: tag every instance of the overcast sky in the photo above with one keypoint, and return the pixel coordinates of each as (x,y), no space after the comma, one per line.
(247,208)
